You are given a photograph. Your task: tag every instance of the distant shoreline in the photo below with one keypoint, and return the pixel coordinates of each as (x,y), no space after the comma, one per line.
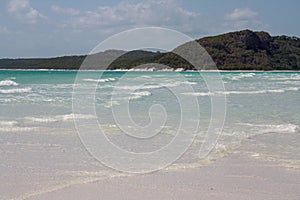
(124,70)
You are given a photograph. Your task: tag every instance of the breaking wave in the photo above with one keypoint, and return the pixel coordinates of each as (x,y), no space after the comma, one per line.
(242,92)
(15,90)
(138,95)
(8,83)
(241,76)
(154,86)
(58,118)
(269,128)
(99,80)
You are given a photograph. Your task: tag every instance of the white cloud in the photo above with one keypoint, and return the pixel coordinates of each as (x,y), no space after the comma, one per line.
(241,14)
(23,11)
(64,11)
(241,18)
(127,14)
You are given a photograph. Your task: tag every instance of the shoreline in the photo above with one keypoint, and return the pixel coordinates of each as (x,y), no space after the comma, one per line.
(124,70)
(233,177)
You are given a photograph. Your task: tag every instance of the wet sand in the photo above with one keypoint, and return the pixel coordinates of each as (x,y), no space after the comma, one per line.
(233,177)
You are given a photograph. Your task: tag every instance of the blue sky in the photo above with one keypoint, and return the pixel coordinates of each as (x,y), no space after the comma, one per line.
(46,28)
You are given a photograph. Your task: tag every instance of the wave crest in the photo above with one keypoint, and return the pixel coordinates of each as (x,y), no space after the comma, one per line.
(242,92)
(8,83)
(15,90)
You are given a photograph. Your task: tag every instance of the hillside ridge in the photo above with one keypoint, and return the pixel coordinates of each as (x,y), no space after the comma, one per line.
(240,50)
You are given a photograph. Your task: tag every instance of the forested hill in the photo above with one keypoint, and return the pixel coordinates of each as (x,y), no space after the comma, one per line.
(242,50)
(253,50)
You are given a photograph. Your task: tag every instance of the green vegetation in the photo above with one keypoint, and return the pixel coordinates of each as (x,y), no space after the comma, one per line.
(242,50)
(248,50)
(66,62)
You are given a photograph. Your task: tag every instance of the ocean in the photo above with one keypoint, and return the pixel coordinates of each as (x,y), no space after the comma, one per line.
(53,123)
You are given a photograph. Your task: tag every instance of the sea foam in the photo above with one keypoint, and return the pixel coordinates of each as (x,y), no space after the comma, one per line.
(99,80)
(138,95)
(273,128)
(242,92)
(8,83)
(13,126)
(59,118)
(241,76)
(15,90)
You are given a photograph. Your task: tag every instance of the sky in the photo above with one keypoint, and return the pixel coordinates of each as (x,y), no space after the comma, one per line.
(48,28)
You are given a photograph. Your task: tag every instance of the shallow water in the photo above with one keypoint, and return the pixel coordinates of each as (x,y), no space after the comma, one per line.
(41,150)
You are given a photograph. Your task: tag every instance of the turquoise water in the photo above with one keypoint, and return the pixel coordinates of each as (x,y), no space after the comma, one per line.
(39,142)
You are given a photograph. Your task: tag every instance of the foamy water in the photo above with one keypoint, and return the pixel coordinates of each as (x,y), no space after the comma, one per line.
(42,152)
